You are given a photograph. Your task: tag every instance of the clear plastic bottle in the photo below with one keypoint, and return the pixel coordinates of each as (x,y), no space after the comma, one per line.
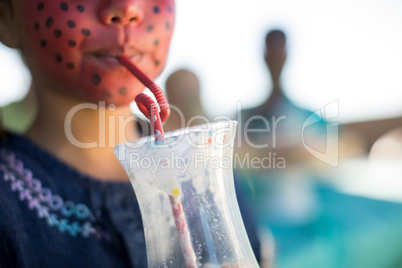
(186,194)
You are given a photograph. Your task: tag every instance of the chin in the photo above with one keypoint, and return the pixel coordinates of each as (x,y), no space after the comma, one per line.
(118,103)
(120,95)
(116,100)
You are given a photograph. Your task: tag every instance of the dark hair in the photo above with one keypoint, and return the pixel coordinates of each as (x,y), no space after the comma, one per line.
(2,129)
(275,36)
(8,3)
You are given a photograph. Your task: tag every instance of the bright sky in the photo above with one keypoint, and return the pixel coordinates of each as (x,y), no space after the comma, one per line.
(345,50)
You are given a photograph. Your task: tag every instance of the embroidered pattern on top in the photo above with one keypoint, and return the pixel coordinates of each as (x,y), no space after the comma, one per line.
(68,217)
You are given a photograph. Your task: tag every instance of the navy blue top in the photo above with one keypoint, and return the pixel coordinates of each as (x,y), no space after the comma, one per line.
(51,215)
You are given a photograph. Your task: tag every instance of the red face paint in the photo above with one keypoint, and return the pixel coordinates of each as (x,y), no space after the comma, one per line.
(72,45)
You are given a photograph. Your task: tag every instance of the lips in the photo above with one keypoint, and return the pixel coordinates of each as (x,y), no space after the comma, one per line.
(108,56)
(109,59)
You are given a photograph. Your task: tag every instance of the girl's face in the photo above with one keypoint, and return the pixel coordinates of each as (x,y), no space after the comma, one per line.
(72,45)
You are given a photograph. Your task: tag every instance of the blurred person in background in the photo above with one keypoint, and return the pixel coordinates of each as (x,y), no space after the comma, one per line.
(291,190)
(183,93)
(272,157)
(274,128)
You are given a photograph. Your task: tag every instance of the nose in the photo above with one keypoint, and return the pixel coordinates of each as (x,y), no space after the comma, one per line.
(121,12)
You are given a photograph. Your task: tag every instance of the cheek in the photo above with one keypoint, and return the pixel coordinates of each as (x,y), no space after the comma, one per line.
(55,30)
(159,25)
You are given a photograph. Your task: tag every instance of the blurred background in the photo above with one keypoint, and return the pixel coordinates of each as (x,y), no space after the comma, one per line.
(342,53)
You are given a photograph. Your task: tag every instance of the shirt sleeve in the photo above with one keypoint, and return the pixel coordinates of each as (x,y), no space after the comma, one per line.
(7,255)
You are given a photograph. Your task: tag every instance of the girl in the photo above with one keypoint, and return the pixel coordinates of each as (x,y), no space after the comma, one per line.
(65,200)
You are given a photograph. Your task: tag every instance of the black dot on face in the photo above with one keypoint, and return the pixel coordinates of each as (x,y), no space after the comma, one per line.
(64,6)
(71,24)
(156,9)
(59,58)
(70,65)
(49,22)
(107,94)
(72,43)
(43,43)
(156,63)
(81,8)
(36,25)
(170,9)
(40,6)
(156,42)
(86,32)
(123,91)
(167,25)
(96,79)
(57,33)
(150,28)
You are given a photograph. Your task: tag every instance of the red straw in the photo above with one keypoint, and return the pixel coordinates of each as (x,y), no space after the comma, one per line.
(150,109)
(143,100)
